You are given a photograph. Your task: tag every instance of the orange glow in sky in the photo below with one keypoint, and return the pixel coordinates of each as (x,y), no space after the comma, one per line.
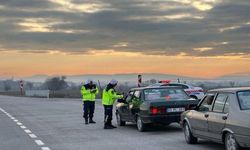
(109,62)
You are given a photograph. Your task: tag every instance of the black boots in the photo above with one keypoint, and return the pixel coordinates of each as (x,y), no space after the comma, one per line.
(91,121)
(86,121)
(108,125)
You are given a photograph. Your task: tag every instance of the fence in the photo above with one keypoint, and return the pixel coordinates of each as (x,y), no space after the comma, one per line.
(37,93)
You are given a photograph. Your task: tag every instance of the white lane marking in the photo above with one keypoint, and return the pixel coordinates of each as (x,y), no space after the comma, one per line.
(39,142)
(27,131)
(19,123)
(33,136)
(23,127)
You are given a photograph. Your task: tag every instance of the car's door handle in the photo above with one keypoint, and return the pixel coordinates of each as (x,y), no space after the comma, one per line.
(224,117)
(206,115)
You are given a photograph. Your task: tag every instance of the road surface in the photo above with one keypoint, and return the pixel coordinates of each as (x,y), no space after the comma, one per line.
(57,124)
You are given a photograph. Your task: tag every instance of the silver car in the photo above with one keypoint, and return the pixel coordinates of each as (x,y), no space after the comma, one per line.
(222,116)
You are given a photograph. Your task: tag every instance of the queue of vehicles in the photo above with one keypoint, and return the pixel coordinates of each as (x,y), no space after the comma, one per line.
(221,115)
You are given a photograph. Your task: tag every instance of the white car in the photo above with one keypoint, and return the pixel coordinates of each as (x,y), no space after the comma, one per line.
(193,92)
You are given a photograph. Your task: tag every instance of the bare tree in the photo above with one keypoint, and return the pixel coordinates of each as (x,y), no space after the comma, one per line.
(56,83)
(232,83)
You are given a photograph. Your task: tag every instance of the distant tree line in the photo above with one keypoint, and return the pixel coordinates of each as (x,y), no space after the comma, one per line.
(59,87)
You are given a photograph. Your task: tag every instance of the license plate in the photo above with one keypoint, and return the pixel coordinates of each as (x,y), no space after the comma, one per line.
(175,109)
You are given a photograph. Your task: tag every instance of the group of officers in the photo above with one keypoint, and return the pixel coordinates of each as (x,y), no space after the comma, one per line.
(89,91)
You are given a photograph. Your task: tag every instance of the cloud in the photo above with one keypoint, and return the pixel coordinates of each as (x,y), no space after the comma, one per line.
(152,27)
(81,6)
(203,49)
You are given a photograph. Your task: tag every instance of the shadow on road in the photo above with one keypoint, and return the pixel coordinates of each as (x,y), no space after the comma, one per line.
(157,128)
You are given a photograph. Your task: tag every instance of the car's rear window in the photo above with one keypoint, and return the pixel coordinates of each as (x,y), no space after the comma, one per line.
(244,99)
(165,94)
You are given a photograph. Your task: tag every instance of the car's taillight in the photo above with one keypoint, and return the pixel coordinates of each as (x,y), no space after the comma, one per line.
(188,92)
(193,91)
(154,110)
(158,110)
(200,90)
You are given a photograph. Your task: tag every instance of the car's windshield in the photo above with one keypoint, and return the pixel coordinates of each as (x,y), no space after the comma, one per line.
(244,99)
(165,94)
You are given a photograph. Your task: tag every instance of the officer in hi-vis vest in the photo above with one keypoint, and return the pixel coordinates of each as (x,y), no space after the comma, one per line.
(89,92)
(109,96)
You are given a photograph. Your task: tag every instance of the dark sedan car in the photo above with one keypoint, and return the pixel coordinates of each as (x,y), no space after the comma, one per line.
(222,116)
(148,105)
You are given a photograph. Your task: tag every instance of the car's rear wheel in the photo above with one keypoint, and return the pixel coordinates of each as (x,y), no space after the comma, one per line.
(140,125)
(190,139)
(231,143)
(119,120)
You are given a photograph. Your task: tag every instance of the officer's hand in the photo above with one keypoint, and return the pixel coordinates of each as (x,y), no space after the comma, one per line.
(93,91)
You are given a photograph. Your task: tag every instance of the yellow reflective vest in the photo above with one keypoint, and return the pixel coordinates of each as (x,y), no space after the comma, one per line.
(88,95)
(109,97)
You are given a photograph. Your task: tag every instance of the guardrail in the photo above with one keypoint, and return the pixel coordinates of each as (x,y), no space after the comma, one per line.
(37,93)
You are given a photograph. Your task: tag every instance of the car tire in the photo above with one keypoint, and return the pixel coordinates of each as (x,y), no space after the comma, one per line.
(190,139)
(140,125)
(119,120)
(230,142)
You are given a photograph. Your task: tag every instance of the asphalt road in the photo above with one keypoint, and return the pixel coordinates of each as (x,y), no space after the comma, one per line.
(57,124)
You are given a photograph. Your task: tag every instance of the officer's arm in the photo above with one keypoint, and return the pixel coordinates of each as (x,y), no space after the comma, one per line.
(84,91)
(115,95)
(97,91)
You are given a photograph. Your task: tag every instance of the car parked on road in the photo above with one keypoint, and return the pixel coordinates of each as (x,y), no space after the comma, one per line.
(153,105)
(192,91)
(222,116)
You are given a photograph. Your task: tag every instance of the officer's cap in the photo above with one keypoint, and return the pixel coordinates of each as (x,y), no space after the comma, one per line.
(113,82)
(89,81)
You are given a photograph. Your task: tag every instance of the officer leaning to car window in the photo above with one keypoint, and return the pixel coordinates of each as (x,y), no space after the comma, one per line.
(89,92)
(109,96)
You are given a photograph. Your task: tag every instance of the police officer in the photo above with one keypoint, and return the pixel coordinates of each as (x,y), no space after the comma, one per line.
(108,98)
(89,92)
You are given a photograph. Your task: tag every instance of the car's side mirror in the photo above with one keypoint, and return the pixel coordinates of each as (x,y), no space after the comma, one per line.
(193,107)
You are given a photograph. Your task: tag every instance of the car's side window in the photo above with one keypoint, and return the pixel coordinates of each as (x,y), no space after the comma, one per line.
(137,94)
(129,96)
(226,107)
(207,102)
(184,86)
(180,85)
(220,103)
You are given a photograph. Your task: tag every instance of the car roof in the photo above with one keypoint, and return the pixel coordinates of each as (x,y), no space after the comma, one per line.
(231,90)
(156,87)
(165,84)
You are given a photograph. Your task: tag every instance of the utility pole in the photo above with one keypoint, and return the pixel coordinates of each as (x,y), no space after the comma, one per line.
(139,80)
(21,87)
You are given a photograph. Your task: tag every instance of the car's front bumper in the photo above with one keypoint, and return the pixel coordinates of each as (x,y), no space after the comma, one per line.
(243,140)
(162,119)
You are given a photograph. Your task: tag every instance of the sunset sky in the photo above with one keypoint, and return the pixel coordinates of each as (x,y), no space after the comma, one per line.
(199,38)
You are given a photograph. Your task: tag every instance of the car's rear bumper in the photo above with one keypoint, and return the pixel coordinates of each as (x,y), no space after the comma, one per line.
(162,119)
(243,140)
